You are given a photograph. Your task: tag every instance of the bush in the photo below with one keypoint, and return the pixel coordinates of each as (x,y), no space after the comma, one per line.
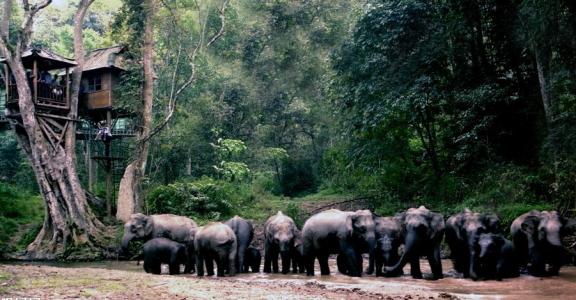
(18,207)
(204,199)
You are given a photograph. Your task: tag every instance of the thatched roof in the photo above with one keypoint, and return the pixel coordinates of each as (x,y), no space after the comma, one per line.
(105,58)
(46,59)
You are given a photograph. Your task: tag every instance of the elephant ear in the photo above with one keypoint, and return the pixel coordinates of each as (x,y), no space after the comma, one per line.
(350,224)
(530,225)
(436,225)
(459,223)
(148,224)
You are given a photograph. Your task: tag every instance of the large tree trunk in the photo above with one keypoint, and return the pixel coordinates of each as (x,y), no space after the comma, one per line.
(68,219)
(130,196)
(543,56)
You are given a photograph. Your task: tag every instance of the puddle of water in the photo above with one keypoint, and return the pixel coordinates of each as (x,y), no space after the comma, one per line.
(521,288)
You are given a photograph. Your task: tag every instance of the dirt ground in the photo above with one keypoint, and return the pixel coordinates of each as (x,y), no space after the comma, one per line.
(126,280)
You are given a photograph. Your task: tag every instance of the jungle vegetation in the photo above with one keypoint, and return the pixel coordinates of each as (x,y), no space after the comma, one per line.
(448,104)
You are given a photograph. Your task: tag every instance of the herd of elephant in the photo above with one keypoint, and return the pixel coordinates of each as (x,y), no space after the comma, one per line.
(478,247)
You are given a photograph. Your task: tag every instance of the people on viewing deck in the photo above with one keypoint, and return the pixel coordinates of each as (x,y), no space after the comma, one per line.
(46,77)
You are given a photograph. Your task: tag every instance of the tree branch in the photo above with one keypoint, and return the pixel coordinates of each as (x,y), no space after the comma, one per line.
(174,96)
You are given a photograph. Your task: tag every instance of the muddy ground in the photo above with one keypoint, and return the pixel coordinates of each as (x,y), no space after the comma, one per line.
(126,280)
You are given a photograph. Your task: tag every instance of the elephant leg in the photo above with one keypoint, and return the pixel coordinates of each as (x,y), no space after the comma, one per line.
(308,256)
(240,259)
(267,258)
(295,262)
(210,264)
(435,263)
(275,256)
(190,264)
(555,258)
(221,265)
(323,261)
(371,259)
(342,264)
(231,260)
(353,259)
(174,268)
(415,267)
(379,261)
(286,259)
(200,263)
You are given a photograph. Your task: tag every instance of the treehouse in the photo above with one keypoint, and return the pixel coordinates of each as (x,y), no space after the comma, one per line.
(48,76)
(101,75)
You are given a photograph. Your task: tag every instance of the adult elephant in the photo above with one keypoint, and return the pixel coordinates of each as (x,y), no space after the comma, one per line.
(462,233)
(389,237)
(216,242)
(537,236)
(244,233)
(177,228)
(279,236)
(338,232)
(424,231)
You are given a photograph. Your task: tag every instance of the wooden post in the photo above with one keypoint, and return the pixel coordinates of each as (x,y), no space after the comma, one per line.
(109,183)
(89,167)
(7,83)
(67,80)
(35,74)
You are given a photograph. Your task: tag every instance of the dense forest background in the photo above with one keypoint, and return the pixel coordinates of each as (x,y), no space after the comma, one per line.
(449,104)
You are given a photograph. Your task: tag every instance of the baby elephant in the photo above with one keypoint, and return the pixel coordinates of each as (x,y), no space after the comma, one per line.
(215,242)
(252,260)
(162,250)
(498,258)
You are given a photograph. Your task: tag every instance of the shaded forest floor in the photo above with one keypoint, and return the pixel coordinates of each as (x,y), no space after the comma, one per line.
(126,280)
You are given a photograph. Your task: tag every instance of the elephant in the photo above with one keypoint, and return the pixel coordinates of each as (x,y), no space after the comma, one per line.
(177,228)
(497,258)
(162,250)
(216,242)
(462,233)
(424,231)
(389,237)
(537,237)
(244,233)
(252,260)
(338,232)
(279,233)
(296,254)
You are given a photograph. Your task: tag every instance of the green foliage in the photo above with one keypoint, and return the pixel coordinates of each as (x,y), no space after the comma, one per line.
(17,208)
(204,199)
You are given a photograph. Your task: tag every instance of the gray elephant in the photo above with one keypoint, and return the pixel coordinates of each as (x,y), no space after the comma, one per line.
(537,237)
(244,233)
(216,242)
(389,237)
(497,258)
(338,232)
(176,228)
(297,254)
(279,234)
(424,231)
(462,233)
(252,260)
(162,250)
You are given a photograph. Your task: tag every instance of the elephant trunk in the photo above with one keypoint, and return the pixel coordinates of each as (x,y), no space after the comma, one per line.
(371,239)
(554,238)
(410,249)
(286,258)
(125,242)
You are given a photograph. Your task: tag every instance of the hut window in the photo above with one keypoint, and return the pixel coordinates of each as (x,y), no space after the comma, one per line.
(94,84)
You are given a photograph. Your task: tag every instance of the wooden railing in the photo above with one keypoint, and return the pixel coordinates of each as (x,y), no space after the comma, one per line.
(48,95)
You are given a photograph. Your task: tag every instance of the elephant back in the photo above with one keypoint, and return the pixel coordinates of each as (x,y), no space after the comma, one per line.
(176,228)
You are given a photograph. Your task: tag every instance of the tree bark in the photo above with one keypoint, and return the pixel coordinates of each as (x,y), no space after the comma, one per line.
(68,218)
(542,56)
(129,198)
